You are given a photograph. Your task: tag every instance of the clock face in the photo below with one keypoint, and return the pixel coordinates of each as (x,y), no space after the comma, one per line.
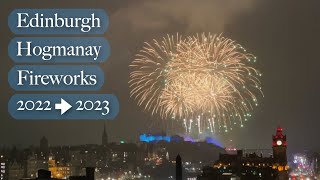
(279,143)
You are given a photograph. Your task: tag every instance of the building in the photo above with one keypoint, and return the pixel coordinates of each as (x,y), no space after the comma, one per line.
(16,171)
(44,146)
(3,167)
(59,171)
(162,146)
(251,166)
(42,175)
(46,175)
(279,147)
(34,163)
(89,175)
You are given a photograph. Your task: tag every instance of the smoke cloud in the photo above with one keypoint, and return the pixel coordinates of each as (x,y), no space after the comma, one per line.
(192,15)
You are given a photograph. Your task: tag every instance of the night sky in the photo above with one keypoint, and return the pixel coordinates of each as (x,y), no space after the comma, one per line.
(284,35)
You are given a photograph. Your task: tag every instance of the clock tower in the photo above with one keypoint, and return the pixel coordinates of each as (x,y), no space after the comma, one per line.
(279,146)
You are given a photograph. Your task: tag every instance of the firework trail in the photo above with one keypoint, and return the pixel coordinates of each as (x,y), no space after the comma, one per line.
(208,78)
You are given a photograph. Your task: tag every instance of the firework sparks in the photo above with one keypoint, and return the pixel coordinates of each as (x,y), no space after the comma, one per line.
(207,75)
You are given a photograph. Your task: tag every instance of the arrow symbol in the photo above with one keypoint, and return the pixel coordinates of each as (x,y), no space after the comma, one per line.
(64,106)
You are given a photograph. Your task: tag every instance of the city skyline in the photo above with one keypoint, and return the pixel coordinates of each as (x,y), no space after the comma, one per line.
(283,36)
(155,159)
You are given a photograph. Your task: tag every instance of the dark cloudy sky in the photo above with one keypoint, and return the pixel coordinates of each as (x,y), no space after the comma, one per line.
(284,35)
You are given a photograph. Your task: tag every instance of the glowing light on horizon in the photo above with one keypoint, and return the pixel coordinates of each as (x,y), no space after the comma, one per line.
(156,138)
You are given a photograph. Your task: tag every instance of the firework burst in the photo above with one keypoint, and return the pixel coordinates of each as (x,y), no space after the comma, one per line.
(208,78)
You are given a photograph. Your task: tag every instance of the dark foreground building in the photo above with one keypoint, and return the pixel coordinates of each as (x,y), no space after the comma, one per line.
(251,166)
(46,175)
(178,168)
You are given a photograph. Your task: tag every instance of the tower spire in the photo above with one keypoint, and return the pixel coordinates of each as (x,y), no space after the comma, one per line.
(178,168)
(104,135)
